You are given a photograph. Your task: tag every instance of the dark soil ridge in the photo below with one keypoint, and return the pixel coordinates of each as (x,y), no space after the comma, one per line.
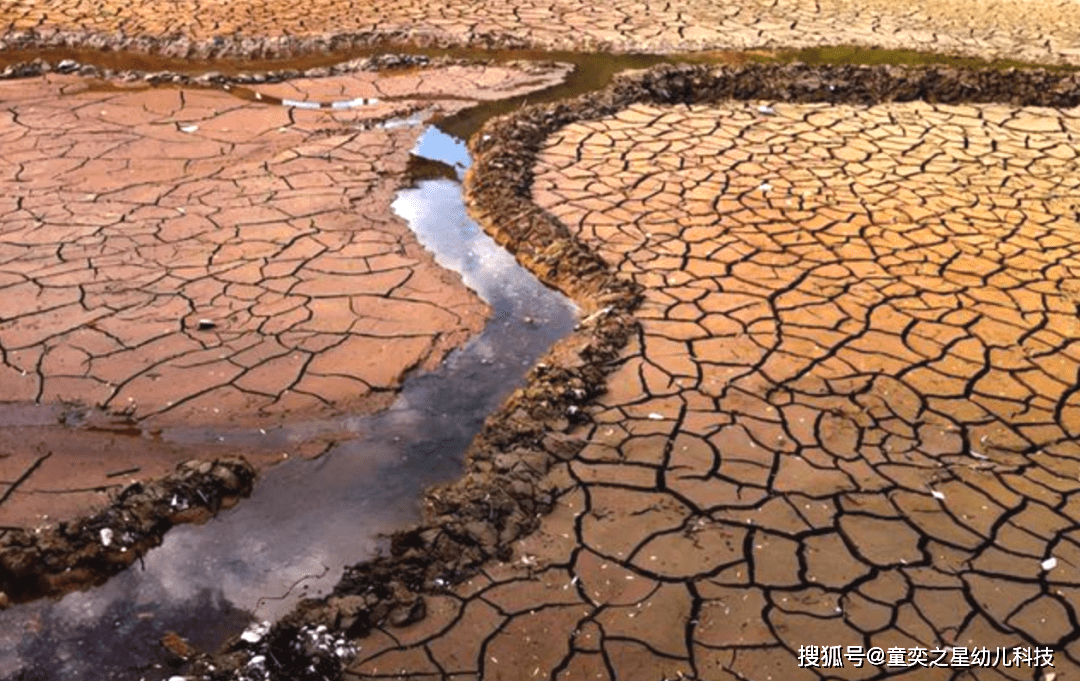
(40,66)
(236,46)
(505,492)
(56,559)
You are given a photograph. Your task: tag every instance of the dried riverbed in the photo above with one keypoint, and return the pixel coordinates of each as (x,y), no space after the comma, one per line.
(838,311)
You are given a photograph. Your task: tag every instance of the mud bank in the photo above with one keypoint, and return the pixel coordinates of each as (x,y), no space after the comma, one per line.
(89,550)
(506,491)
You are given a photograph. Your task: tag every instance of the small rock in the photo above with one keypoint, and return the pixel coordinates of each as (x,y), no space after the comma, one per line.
(205,324)
(1049,564)
(176,645)
(106,536)
(409,613)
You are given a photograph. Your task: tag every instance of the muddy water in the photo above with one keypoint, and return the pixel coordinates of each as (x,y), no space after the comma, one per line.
(308,519)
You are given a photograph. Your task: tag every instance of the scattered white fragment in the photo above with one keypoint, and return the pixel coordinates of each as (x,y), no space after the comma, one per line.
(1049,676)
(188,128)
(258,96)
(301,105)
(765,186)
(255,632)
(1049,564)
(977,455)
(937,495)
(767,110)
(106,536)
(656,417)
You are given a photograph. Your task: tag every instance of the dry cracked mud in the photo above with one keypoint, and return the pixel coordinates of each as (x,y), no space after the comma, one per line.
(848,413)
(177,256)
(849,416)
(1046,31)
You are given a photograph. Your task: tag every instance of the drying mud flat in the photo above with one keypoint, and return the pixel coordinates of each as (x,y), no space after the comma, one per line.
(1046,31)
(182,259)
(824,392)
(850,415)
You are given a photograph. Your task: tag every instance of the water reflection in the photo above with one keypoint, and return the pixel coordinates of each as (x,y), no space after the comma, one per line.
(308,519)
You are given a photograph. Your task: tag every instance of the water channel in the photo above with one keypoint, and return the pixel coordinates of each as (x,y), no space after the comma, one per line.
(307,520)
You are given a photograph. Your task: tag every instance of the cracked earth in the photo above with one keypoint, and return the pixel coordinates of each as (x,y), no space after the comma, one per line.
(851,415)
(179,256)
(1046,31)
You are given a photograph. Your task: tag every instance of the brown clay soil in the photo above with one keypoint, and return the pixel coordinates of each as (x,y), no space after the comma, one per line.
(826,392)
(1045,30)
(179,256)
(848,416)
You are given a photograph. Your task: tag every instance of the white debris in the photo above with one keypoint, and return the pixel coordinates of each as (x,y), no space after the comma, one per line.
(106,536)
(255,632)
(326,642)
(301,105)
(765,186)
(188,128)
(258,96)
(977,455)
(937,495)
(767,110)
(1049,564)
(656,417)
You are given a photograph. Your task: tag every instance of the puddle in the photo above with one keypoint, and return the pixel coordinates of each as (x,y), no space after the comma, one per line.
(308,519)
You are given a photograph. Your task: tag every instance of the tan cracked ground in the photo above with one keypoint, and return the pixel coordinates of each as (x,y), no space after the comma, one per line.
(1046,30)
(851,418)
(183,257)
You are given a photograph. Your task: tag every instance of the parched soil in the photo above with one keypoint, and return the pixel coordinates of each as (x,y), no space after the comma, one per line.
(847,417)
(1047,31)
(826,390)
(182,257)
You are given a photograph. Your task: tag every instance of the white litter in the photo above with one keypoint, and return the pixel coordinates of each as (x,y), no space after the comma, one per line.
(977,455)
(255,632)
(767,110)
(937,495)
(765,186)
(188,128)
(1049,564)
(656,417)
(301,105)
(106,536)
